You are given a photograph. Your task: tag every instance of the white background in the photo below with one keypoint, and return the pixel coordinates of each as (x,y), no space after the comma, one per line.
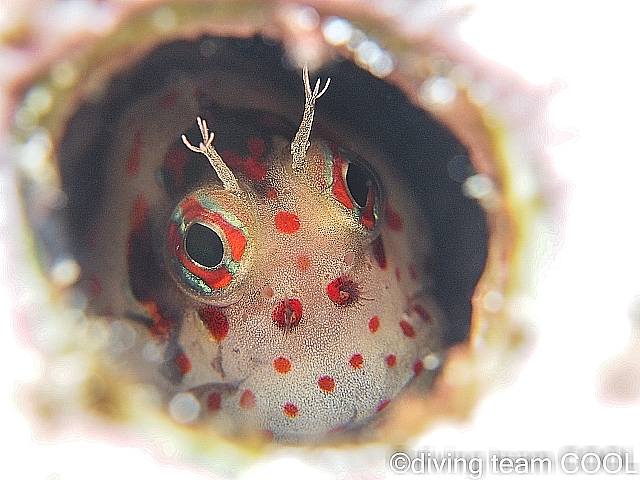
(581,312)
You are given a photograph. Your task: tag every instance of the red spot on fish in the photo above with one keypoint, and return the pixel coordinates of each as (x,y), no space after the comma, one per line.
(237,242)
(418,367)
(282,365)
(374,324)
(232,159)
(394,221)
(138,212)
(161,323)
(290,410)
(378,253)
(170,99)
(218,278)
(251,166)
(326,384)
(175,161)
(135,154)
(183,363)
(256,146)
(287,222)
(303,262)
(254,170)
(287,314)
(398,274)
(423,313)
(407,329)
(248,400)
(214,402)
(390,360)
(356,361)
(271,193)
(145,274)
(342,291)
(215,321)
(412,272)
(383,404)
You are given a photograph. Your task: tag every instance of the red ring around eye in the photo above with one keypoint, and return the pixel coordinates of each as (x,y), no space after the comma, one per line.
(203,209)
(367,215)
(342,193)
(339,185)
(192,210)
(214,278)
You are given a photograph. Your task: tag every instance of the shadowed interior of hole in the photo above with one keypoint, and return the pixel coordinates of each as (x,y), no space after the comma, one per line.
(420,147)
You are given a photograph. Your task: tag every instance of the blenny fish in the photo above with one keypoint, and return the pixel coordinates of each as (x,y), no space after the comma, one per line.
(272,283)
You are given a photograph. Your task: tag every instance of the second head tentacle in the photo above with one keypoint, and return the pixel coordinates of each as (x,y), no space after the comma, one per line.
(225,175)
(300,143)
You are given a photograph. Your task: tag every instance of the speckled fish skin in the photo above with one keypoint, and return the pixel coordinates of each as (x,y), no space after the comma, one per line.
(335,366)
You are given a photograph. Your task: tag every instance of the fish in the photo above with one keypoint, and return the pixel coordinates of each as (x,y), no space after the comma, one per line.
(274,279)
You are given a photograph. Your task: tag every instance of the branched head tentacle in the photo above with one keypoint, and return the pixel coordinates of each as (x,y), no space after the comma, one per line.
(300,143)
(226,176)
(316,93)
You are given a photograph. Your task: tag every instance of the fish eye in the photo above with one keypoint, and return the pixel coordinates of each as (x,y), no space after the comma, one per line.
(157,244)
(353,183)
(208,246)
(203,245)
(349,179)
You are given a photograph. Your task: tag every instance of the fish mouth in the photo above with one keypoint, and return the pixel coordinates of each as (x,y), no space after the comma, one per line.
(411,102)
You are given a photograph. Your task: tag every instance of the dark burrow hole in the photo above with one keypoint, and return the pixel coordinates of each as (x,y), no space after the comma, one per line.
(419,146)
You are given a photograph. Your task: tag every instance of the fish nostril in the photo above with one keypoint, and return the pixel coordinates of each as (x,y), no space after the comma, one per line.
(343,292)
(288,314)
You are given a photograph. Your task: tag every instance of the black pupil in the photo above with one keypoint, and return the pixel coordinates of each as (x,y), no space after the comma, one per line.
(358,184)
(203,245)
